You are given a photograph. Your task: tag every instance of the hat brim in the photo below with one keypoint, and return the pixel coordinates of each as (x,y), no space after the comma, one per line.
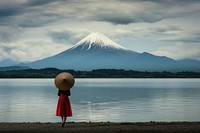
(64,81)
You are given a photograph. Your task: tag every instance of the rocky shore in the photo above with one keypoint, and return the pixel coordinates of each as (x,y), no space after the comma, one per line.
(102,127)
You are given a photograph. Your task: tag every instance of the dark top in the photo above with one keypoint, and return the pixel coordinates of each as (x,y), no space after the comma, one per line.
(67,92)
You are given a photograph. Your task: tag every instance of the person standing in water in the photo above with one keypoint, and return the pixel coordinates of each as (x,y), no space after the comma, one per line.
(64,82)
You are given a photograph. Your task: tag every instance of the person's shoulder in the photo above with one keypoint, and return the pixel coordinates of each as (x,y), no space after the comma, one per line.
(64,91)
(61,91)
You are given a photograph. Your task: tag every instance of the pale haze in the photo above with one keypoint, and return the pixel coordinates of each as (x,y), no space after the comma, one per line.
(36,29)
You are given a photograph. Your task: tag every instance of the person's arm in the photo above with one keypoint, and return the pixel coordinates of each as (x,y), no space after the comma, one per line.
(58,92)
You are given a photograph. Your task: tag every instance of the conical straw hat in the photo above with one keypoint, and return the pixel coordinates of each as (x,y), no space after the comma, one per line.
(64,81)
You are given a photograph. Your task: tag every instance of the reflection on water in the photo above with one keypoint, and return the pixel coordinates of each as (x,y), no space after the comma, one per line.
(32,100)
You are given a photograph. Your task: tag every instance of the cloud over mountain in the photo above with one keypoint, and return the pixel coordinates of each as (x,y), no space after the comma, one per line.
(114,11)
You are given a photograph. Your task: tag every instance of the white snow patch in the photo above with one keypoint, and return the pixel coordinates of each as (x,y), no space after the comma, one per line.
(97,39)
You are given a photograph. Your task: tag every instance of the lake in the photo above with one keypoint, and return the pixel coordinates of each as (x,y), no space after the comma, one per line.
(114,100)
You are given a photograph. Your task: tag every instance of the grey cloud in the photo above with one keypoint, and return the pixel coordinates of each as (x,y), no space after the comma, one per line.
(8,12)
(186,38)
(122,19)
(193,39)
(176,2)
(16,8)
(25,14)
(175,34)
(152,11)
(190,40)
(5,37)
(163,1)
(166,29)
(61,37)
(35,13)
(115,19)
(39,2)
(37,19)
(66,37)
(129,15)
(9,34)
(6,49)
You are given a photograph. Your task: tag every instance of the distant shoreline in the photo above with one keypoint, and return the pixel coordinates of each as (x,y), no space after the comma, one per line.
(101,127)
(99,73)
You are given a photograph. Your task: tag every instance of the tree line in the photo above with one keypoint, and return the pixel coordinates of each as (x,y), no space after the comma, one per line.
(99,73)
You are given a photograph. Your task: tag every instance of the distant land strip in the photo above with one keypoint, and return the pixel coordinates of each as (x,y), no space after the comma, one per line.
(99,73)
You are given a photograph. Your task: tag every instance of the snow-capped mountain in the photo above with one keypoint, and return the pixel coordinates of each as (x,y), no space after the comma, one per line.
(96,51)
(97,40)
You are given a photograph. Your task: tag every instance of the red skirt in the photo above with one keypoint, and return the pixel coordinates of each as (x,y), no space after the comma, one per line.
(64,107)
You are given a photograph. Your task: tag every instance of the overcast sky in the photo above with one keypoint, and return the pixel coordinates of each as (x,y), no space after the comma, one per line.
(35,29)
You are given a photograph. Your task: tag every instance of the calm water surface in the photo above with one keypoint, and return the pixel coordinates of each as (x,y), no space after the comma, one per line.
(118,100)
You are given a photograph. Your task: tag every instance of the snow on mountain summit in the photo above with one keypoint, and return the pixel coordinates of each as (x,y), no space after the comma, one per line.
(95,40)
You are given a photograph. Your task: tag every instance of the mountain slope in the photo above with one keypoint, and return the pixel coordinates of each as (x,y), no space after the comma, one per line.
(8,62)
(10,68)
(96,51)
(190,64)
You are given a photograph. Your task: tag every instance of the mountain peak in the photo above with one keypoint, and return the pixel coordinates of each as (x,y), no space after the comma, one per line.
(97,39)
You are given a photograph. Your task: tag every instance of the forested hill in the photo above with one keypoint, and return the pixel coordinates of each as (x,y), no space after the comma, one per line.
(100,73)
